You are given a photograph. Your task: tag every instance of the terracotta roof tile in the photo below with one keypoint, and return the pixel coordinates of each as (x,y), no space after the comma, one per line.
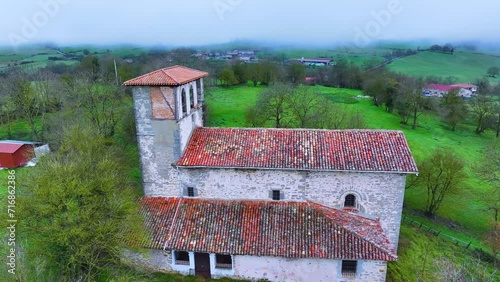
(299,149)
(172,76)
(263,228)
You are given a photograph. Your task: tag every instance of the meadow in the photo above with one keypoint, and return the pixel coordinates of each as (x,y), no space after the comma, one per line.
(464,66)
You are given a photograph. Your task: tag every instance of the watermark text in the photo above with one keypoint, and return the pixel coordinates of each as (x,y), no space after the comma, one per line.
(11,222)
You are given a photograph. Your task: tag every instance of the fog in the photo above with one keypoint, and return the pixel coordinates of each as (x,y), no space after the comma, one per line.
(197,22)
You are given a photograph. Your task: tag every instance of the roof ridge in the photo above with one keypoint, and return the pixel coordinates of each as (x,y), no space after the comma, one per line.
(303,129)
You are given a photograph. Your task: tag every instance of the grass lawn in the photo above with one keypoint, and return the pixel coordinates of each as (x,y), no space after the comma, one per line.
(465,66)
(3,185)
(226,106)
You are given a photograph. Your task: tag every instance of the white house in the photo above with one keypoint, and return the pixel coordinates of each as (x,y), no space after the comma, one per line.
(439,90)
(254,203)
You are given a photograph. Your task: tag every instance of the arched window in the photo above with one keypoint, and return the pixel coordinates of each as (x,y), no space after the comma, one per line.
(350,201)
(191,97)
(183,103)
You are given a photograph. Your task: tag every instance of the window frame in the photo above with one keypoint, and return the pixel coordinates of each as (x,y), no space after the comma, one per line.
(180,258)
(347,202)
(349,268)
(276,195)
(222,264)
(184,111)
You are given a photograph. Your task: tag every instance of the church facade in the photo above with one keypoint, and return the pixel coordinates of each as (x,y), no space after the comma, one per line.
(257,203)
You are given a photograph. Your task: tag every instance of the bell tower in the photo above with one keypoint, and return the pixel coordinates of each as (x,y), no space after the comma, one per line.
(168,106)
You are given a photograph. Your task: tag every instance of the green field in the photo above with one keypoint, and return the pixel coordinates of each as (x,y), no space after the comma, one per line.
(464,66)
(3,184)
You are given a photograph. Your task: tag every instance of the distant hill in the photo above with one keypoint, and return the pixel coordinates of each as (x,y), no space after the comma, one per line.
(464,66)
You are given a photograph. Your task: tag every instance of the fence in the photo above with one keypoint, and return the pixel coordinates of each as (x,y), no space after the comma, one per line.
(447,238)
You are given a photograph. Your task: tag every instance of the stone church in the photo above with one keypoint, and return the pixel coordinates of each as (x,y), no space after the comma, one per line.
(262,203)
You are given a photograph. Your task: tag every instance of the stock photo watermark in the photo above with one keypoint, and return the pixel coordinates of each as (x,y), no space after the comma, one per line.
(380,20)
(32,25)
(222,7)
(11,222)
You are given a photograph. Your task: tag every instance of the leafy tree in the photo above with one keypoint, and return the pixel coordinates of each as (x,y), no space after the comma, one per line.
(239,69)
(254,73)
(296,73)
(493,71)
(227,77)
(453,109)
(382,88)
(271,73)
(91,66)
(442,173)
(409,102)
(78,210)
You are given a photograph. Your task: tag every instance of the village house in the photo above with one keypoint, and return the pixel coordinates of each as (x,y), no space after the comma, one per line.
(255,203)
(14,153)
(439,90)
(314,61)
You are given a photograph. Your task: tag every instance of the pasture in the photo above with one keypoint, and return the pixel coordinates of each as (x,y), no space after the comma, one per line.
(463,66)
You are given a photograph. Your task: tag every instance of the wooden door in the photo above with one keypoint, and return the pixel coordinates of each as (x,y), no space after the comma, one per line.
(202,265)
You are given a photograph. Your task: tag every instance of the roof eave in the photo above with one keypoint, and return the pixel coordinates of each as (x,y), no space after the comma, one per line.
(296,169)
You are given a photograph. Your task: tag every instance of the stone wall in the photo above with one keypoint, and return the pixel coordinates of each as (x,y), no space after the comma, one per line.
(380,195)
(161,140)
(305,269)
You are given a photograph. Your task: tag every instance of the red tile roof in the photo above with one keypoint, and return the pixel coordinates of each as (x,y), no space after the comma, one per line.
(172,76)
(9,147)
(464,85)
(440,87)
(299,149)
(263,228)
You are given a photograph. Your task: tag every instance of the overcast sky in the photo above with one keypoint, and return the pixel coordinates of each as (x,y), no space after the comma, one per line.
(195,22)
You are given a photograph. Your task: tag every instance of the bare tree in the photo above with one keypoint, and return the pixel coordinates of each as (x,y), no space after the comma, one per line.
(7,115)
(489,171)
(481,109)
(441,174)
(305,106)
(410,103)
(468,271)
(453,109)
(272,104)
(25,99)
(99,104)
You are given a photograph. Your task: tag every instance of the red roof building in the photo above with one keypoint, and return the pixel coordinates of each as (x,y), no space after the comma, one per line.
(263,228)
(263,203)
(172,76)
(15,154)
(299,149)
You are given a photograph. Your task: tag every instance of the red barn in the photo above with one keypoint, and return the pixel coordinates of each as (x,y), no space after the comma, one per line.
(15,154)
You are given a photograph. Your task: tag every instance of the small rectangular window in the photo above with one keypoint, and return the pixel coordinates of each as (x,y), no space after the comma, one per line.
(181,258)
(276,195)
(223,261)
(190,191)
(349,268)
